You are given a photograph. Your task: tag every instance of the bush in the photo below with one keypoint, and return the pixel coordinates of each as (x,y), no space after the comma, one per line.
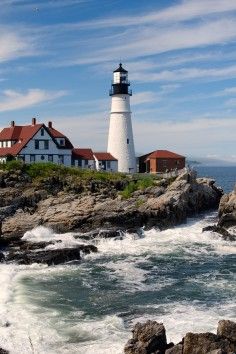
(129,189)
(13,165)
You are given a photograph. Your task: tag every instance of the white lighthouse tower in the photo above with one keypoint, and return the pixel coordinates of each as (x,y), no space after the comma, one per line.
(120,138)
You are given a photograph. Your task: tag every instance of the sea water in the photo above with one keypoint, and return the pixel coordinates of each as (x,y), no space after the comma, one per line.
(181,277)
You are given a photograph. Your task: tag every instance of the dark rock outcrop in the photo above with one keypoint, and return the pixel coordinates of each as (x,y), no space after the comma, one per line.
(226,226)
(221,231)
(50,257)
(150,338)
(2,351)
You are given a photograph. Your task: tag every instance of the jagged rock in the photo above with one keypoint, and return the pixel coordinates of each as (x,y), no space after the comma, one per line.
(227,210)
(227,329)
(2,257)
(220,230)
(199,343)
(64,209)
(50,257)
(148,338)
(177,349)
(2,351)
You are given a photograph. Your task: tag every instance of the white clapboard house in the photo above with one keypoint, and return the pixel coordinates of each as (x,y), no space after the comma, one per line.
(38,142)
(35,143)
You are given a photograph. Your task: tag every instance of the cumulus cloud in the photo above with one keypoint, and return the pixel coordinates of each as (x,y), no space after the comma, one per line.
(11,100)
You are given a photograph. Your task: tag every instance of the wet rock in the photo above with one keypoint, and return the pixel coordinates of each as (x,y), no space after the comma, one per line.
(199,343)
(2,257)
(2,351)
(220,230)
(227,329)
(148,338)
(51,257)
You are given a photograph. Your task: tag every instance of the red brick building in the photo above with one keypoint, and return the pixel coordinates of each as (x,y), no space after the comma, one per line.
(160,161)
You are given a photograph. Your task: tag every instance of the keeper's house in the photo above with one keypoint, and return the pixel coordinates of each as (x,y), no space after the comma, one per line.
(161,161)
(35,143)
(40,143)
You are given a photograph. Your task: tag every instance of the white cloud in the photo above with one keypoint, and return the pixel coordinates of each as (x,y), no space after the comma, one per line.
(197,136)
(136,43)
(14,45)
(11,100)
(42,4)
(144,97)
(187,74)
(185,11)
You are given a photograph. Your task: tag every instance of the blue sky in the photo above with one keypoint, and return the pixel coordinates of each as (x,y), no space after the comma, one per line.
(57,58)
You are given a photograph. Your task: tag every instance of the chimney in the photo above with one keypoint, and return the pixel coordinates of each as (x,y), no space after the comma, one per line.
(12,123)
(49,124)
(33,121)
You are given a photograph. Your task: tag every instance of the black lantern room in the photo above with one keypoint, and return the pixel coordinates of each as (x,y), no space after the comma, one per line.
(120,84)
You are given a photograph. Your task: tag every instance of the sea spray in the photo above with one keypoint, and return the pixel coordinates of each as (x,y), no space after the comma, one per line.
(180,276)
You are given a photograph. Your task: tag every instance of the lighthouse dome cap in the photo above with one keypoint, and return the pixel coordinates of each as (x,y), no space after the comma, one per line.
(120,69)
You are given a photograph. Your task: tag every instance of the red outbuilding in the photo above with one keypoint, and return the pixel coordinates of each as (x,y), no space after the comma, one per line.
(161,161)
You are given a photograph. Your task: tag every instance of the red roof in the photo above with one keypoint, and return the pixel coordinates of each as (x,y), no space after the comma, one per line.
(20,134)
(84,154)
(23,134)
(55,133)
(104,156)
(164,154)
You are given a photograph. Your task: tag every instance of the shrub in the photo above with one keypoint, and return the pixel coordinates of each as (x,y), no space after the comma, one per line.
(13,165)
(129,189)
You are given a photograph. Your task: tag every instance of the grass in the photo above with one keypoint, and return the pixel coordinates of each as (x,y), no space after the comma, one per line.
(40,171)
(140,184)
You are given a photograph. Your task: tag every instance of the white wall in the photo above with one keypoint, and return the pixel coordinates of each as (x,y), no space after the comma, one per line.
(91,164)
(113,166)
(120,138)
(52,150)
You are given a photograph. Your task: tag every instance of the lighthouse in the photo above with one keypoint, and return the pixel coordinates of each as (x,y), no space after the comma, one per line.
(120,137)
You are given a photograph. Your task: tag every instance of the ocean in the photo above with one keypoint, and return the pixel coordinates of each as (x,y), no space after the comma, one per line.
(181,277)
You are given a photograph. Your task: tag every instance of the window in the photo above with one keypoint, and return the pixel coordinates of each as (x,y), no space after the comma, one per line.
(80,163)
(62,142)
(46,144)
(86,162)
(36,144)
(165,163)
(127,141)
(42,132)
(108,164)
(42,157)
(60,159)
(50,158)
(32,158)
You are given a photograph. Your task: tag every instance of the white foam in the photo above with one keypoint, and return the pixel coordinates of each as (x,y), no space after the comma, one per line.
(128,261)
(180,318)
(44,234)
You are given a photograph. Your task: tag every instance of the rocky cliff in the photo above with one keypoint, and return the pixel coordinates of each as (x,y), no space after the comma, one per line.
(66,206)
(227,210)
(226,225)
(150,338)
